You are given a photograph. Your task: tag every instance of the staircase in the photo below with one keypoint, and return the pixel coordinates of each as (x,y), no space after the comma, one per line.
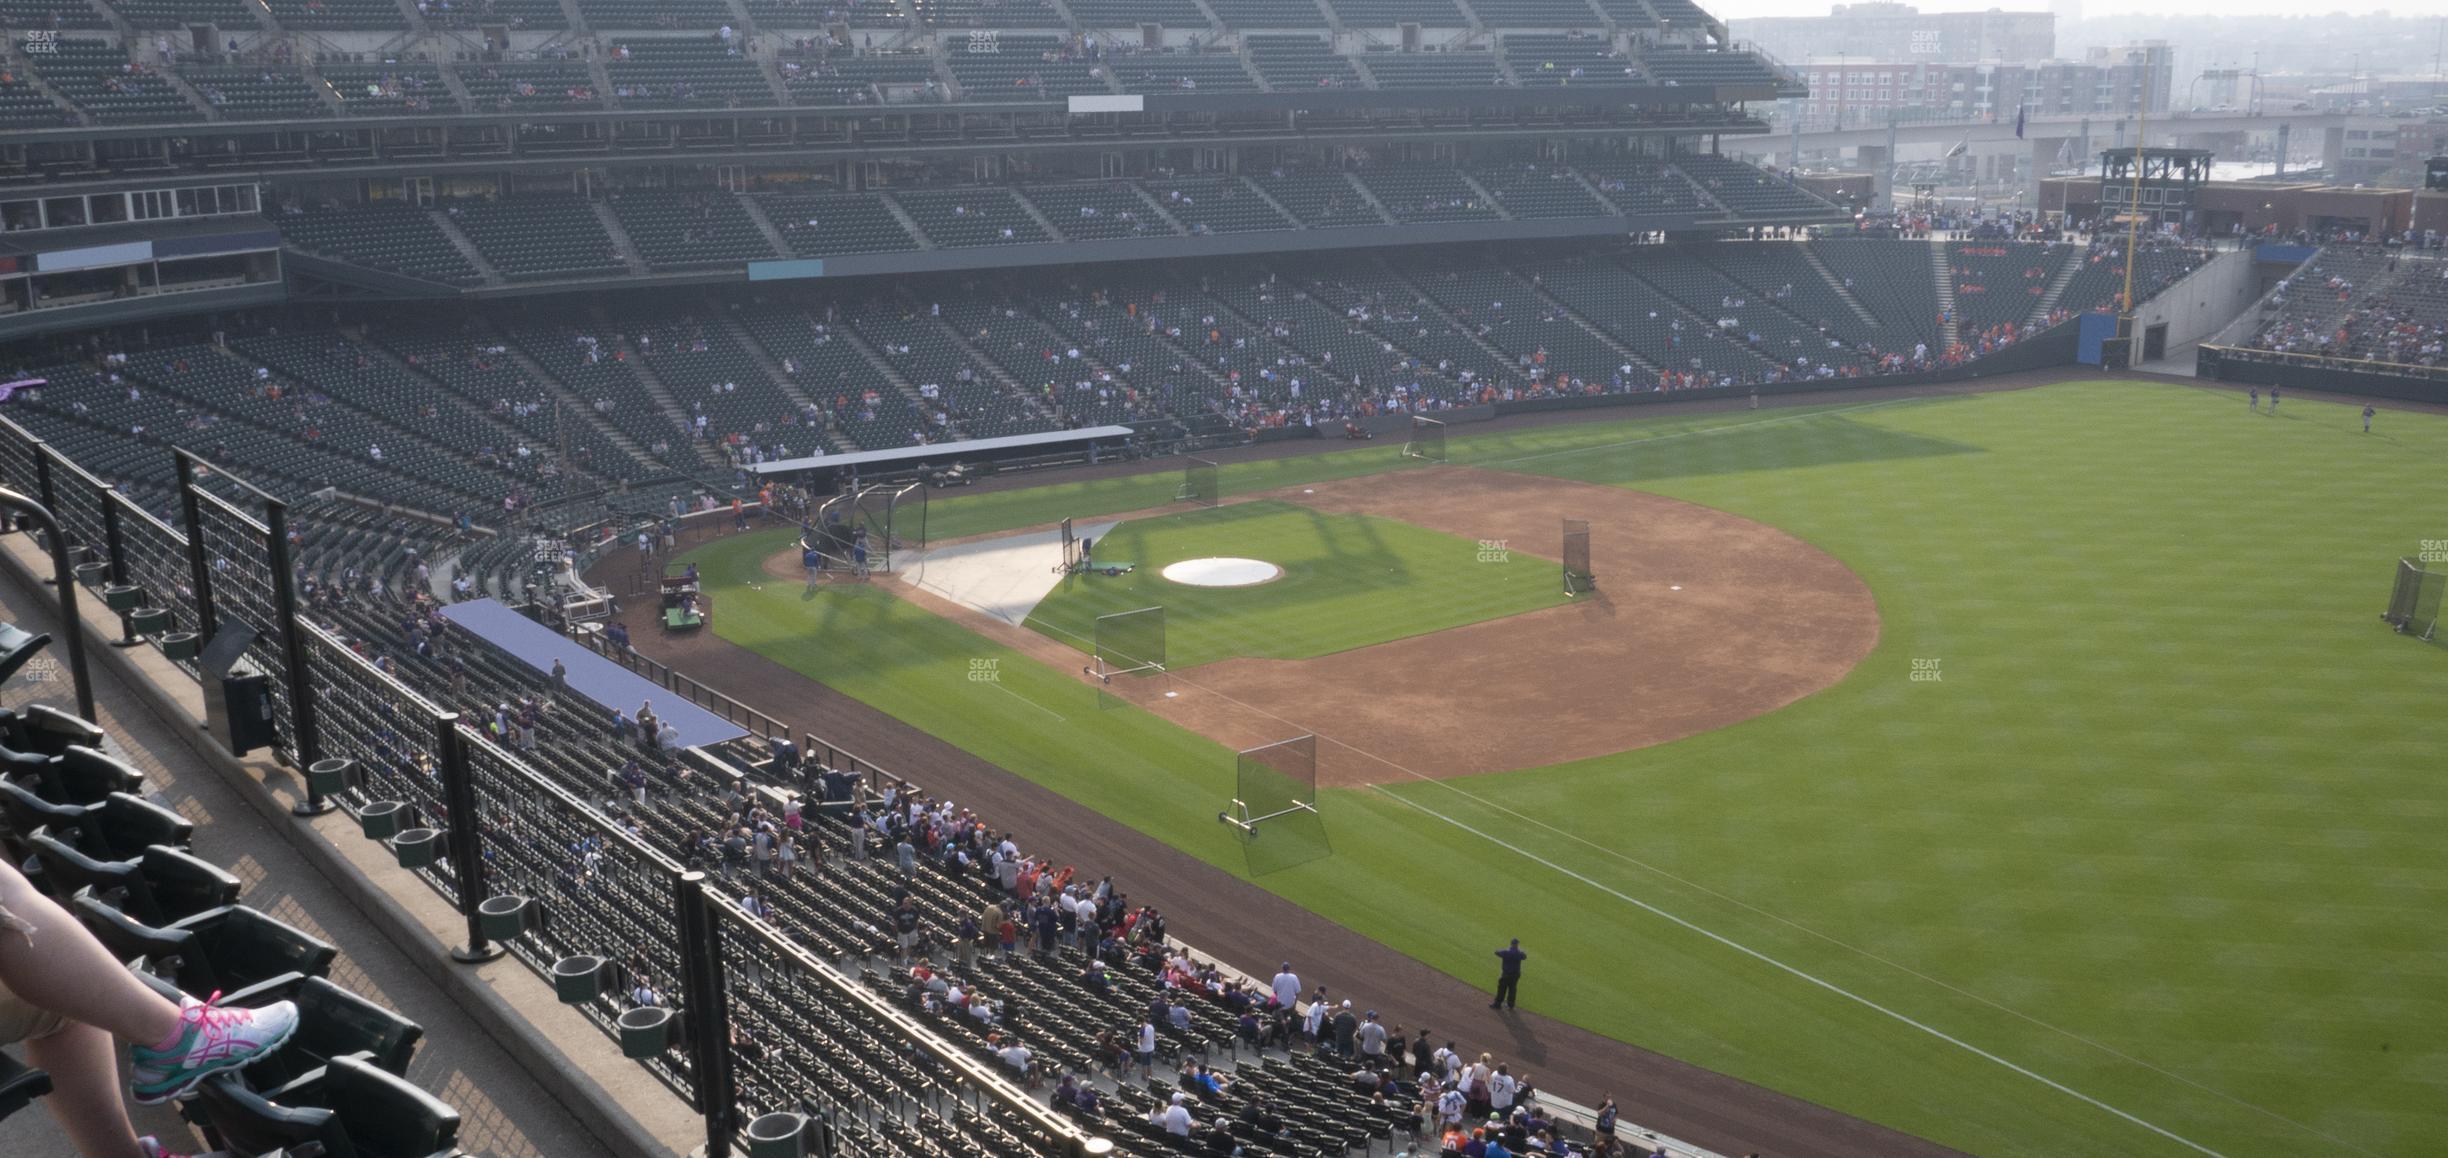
(467,249)
(17,63)
(907,222)
(458,89)
(781,381)
(178,84)
(1429,304)
(884,367)
(620,237)
(664,399)
(1602,199)
(1272,203)
(1038,215)
(571,403)
(1485,197)
(1949,332)
(1810,256)
(765,225)
(508,435)
(1001,377)
(1623,351)
(2066,272)
(1361,187)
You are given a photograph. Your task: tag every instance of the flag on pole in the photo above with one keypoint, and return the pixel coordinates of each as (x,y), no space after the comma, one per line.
(1959,148)
(2019,110)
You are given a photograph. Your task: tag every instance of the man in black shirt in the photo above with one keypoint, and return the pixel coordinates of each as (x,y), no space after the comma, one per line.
(1508,977)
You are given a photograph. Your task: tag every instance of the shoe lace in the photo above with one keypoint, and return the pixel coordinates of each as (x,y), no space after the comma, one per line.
(211,1017)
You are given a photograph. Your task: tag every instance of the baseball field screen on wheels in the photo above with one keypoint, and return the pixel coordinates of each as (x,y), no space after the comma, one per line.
(1274,805)
(1578,578)
(1070,550)
(2414,601)
(1199,483)
(1128,643)
(1427,440)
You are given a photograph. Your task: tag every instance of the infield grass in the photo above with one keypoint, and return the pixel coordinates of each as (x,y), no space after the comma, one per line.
(1348,581)
(2154,866)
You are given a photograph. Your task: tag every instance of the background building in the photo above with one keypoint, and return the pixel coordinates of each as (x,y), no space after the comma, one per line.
(1903,33)
(2109,84)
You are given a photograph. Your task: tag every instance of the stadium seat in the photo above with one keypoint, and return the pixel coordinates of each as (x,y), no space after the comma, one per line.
(20,1084)
(162,886)
(351,1107)
(225,949)
(77,775)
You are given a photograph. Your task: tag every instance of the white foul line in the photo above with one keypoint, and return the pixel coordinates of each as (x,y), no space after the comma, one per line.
(1822,983)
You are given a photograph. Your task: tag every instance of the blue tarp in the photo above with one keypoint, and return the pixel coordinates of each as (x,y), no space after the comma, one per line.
(591,676)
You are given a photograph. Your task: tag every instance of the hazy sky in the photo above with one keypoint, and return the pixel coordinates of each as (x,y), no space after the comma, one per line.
(1738,9)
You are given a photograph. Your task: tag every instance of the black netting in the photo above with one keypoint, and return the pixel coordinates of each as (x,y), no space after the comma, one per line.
(77,500)
(155,555)
(390,731)
(601,890)
(18,450)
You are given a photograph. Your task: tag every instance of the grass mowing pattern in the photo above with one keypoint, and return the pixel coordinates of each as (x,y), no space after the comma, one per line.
(1349,581)
(2167,830)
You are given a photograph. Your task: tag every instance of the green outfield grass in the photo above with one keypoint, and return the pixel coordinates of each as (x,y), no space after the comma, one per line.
(1348,581)
(2158,856)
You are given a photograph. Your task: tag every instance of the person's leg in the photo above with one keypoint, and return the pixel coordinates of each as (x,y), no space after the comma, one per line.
(55,964)
(85,1098)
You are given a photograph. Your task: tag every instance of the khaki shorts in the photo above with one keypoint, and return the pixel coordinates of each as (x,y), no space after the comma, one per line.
(20,1021)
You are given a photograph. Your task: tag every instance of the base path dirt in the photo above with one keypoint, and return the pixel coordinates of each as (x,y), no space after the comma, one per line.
(1701,619)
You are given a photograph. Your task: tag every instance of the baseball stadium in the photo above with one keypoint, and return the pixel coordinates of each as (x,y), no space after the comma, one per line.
(1278,578)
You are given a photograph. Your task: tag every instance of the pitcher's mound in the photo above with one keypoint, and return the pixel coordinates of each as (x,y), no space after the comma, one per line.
(1222,572)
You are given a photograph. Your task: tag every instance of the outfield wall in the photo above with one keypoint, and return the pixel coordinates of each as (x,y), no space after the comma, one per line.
(2049,349)
(2304,372)
(2201,305)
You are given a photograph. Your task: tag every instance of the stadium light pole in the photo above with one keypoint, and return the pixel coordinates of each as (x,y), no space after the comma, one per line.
(2133,204)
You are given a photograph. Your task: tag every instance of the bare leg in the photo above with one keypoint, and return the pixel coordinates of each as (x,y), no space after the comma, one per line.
(86,1097)
(60,967)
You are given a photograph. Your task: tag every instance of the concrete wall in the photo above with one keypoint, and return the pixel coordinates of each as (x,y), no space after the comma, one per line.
(2203,304)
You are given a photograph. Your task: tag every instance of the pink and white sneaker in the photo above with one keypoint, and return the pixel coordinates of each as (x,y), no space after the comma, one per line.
(211,1039)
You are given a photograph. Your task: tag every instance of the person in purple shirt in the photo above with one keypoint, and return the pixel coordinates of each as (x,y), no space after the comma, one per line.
(1508,977)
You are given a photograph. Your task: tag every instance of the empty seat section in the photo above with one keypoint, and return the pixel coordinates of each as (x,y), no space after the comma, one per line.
(858,80)
(677,228)
(1297,62)
(825,224)
(1751,192)
(1776,271)
(1320,198)
(256,94)
(1756,320)
(831,371)
(1421,193)
(1556,59)
(338,15)
(1388,13)
(1681,66)
(986,14)
(819,13)
(1432,69)
(1182,72)
(1024,68)
(1131,14)
(385,90)
(1641,185)
(514,13)
(1893,281)
(478,369)
(594,369)
(540,86)
(383,235)
(1536,13)
(179,14)
(1529,189)
(688,72)
(709,373)
(99,78)
(22,106)
(948,381)
(982,215)
(1268,13)
(49,15)
(698,15)
(1215,204)
(1097,211)
(539,235)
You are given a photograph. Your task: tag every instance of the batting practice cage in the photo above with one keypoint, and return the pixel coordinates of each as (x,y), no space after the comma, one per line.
(1128,643)
(1427,440)
(2414,604)
(1578,578)
(1198,483)
(892,515)
(1275,798)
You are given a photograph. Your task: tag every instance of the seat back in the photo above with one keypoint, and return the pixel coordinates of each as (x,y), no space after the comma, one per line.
(20,1084)
(18,647)
(386,1116)
(23,810)
(43,730)
(249,1123)
(128,939)
(66,869)
(127,825)
(239,946)
(85,776)
(332,1022)
(184,885)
